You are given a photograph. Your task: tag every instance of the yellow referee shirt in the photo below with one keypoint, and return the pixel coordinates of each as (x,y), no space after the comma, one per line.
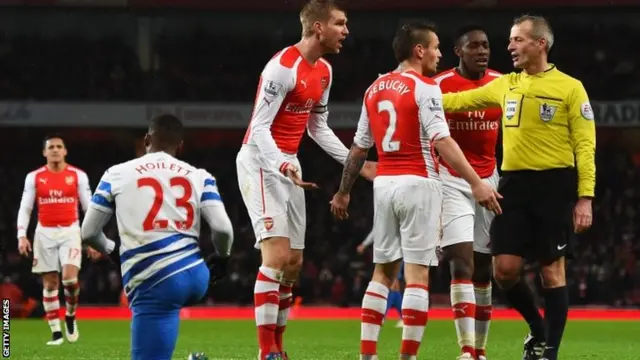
(547,122)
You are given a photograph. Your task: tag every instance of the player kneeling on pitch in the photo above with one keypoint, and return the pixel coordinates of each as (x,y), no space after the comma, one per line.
(158,201)
(402,114)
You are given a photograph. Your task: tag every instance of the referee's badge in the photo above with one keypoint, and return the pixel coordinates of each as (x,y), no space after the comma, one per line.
(510,109)
(547,112)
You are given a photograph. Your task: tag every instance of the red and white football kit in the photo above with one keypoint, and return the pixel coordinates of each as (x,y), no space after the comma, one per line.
(463,219)
(402,114)
(292,95)
(57,239)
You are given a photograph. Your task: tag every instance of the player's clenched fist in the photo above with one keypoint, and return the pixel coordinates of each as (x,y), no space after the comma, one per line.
(487,197)
(339,205)
(93,254)
(24,246)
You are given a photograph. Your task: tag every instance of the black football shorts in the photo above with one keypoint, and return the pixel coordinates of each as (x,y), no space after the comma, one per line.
(537,214)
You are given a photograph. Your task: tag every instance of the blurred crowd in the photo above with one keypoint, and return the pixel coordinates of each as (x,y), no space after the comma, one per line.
(605,268)
(203,66)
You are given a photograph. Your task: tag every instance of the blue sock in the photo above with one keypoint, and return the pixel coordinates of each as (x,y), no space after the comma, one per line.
(395,301)
(398,303)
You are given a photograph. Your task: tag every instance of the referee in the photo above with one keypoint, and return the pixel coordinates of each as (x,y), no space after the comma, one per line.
(548,176)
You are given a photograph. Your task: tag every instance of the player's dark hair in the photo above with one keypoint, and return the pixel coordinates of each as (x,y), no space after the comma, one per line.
(462,31)
(166,130)
(316,10)
(408,36)
(50,137)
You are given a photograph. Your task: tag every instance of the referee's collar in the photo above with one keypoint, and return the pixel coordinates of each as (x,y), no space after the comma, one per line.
(549,70)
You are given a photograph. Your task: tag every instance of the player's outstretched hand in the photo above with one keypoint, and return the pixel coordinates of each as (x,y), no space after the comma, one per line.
(339,205)
(582,215)
(487,197)
(24,246)
(360,249)
(369,170)
(217,267)
(294,174)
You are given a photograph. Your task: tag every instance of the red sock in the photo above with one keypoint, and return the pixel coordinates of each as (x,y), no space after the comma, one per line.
(266,299)
(374,305)
(415,314)
(286,299)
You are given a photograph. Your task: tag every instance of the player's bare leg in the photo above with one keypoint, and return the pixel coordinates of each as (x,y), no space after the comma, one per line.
(51,304)
(463,300)
(507,270)
(374,306)
(415,309)
(289,278)
(275,255)
(482,287)
(556,303)
(71,295)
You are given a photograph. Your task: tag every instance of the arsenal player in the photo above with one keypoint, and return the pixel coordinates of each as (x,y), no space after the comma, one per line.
(57,187)
(402,114)
(292,95)
(465,224)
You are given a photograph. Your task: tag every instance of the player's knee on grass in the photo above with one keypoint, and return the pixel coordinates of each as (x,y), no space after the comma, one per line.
(482,268)
(553,274)
(275,252)
(460,257)
(386,274)
(50,281)
(416,274)
(507,270)
(154,334)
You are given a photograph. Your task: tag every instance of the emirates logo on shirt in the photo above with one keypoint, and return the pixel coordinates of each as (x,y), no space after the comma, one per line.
(298,108)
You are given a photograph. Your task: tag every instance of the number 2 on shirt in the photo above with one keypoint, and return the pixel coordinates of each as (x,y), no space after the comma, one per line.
(151,222)
(387,144)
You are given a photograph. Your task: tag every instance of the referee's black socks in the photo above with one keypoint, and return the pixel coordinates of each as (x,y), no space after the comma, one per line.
(521,298)
(556,309)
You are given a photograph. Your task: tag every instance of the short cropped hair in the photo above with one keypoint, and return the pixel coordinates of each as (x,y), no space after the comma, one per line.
(316,10)
(167,129)
(408,36)
(51,137)
(462,31)
(540,28)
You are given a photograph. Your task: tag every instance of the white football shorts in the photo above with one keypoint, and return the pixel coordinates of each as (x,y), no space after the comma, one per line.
(463,219)
(54,247)
(275,204)
(406,221)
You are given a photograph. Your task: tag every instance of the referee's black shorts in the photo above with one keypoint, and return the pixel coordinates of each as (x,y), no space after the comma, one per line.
(537,214)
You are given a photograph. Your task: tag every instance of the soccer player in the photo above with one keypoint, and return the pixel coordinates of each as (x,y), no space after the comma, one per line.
(395,291)
(465,224)
(402,115)
(158,201)
(292,94)
(58,188)
(548,177)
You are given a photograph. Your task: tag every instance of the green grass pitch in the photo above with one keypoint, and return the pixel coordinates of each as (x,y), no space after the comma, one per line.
(316,339)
